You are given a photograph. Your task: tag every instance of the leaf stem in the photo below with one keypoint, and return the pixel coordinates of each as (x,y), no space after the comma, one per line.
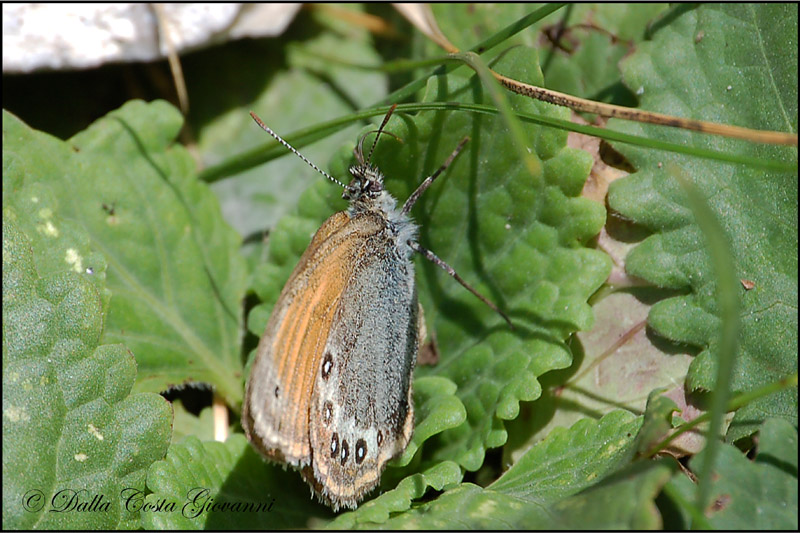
(734,404)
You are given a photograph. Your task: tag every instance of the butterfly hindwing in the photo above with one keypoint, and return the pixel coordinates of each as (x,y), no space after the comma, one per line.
(361,409)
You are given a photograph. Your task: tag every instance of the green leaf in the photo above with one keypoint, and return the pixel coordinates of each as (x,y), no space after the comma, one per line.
(176,278)
(777,446)
(375,512)
(73,437)
(743,72)
(467,27)
(185,423)
(229,470)
(437,409)
(567,481)
(657,421)
(757,495)
(594,38)
(624,500)
(214,485)
(571,459)
(617,363)
(626,22)
(492,218)
(590,70)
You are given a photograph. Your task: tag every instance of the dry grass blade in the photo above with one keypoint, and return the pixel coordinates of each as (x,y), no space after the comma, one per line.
(421,16)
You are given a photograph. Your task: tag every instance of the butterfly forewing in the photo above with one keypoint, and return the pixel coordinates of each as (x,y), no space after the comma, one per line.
(275,412)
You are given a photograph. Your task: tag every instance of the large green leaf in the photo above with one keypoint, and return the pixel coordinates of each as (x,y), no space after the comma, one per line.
(234,472)
(73,437)
(215,485)
(734,64)
(569,480)
(173,267)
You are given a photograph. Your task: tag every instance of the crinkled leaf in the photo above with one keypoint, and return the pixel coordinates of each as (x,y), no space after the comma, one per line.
(744,72)
(568,480)
(377,511)
(173,267)
(437,409)
(756,495)
(522,237)
(248,492)
(73,437)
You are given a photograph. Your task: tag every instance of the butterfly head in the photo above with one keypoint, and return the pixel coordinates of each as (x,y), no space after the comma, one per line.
(366,185)
(366,188)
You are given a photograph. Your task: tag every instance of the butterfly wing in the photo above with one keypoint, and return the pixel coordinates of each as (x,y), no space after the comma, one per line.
(276,403)
(361,407)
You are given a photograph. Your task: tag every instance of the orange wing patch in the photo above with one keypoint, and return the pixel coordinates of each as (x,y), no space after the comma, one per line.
(307,306)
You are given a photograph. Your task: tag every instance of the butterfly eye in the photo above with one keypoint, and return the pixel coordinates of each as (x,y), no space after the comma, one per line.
(361,451)
(334,444)
(327,365)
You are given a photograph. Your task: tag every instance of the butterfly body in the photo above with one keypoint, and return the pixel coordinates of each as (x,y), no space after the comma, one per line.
(330,389)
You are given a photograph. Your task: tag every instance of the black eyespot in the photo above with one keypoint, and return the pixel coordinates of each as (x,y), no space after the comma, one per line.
(327,365)
(380,437)
(327,413)
(334,444)
(277,391)
(345,451)
(361,451)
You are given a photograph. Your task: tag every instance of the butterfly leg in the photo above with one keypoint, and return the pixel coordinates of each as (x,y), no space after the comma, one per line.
(433,258)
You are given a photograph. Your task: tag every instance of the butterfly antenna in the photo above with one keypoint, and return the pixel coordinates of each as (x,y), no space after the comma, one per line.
(295,152)
(380,130)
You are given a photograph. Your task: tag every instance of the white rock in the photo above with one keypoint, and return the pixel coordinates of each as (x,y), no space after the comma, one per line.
(77,36)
